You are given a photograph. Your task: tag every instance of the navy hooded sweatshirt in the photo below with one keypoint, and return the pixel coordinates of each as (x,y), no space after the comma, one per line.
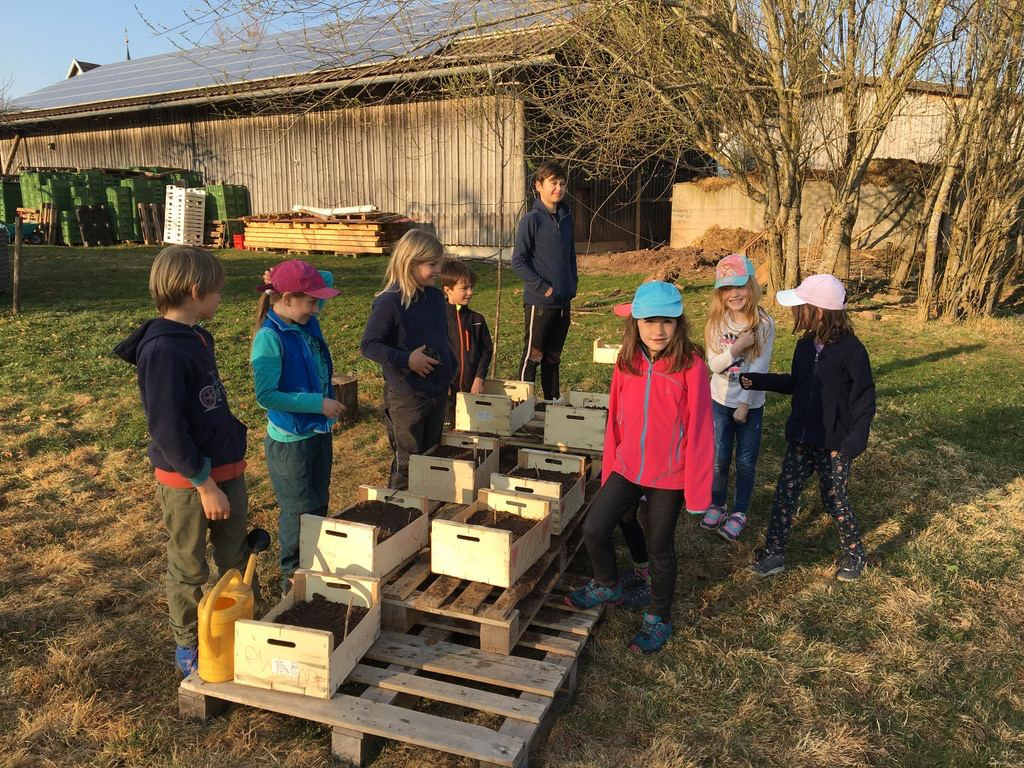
(190,424)
(544,256)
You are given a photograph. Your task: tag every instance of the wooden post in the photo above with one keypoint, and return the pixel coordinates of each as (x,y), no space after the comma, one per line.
(16,271)
(346,392)
(10,155)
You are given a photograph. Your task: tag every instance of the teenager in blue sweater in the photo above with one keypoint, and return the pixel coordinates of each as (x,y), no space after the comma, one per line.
(292,372)
(407,333)
(544,257)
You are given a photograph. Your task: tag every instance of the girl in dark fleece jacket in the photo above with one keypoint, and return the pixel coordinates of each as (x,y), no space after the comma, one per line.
(833,403)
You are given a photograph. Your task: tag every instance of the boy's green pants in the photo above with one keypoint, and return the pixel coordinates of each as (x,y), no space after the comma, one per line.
(187,569)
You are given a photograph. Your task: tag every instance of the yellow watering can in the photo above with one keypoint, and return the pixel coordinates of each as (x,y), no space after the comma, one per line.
(220,608)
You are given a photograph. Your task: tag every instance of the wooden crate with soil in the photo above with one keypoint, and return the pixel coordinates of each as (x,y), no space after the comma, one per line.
(577,421)
(559,478)
(310,641)
(454,470)
(494,540)
(370,538)
(504,407)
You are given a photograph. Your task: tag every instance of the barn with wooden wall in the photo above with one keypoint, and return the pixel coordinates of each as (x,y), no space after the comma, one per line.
(394,139)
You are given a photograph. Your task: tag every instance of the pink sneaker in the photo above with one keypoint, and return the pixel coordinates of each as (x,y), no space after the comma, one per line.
(713,518)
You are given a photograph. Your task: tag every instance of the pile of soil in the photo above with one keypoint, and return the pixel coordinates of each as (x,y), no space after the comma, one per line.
(692,263)
(505,521)
(566,480)
(389,518)
(476,455)
(321,613)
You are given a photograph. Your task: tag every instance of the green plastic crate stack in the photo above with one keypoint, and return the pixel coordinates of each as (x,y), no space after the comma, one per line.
(57,192)
(69,228)
(31,183)
(143,189)
(10,200)
(226,201)
(191,179)
(123,214)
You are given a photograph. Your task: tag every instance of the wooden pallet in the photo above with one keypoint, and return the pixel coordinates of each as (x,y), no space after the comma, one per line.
(497,616)
(423,670)
(151,221)
(360,233)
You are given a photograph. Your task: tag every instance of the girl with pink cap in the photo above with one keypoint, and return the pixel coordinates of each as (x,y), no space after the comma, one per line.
(833,403)
(739,336)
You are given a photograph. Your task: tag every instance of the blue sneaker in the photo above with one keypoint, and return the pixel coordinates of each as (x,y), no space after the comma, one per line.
(187,659)
(654,633)
(593,594)
(636,589)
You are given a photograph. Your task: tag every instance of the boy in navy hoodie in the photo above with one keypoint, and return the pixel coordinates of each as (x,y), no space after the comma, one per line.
(468,334)
(197,447)
(544,257)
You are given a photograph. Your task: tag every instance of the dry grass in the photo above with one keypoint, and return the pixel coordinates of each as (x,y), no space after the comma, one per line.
(918,664)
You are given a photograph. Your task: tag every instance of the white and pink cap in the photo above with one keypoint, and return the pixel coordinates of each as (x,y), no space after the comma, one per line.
(824,291)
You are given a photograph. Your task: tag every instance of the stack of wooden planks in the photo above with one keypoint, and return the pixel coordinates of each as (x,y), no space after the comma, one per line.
(353,234)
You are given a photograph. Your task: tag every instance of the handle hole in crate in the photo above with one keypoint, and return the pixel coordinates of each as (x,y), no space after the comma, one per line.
(337,585)
(556,462)
(440,469)
(339,534)
(521,489)
(463,537)
(519,504)
(574,417)
(282,643)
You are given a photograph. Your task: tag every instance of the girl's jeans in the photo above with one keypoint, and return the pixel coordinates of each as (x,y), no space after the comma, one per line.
(800,462)
(616,498)
(747,437)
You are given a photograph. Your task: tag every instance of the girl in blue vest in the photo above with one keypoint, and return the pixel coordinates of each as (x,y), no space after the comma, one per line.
(292,371)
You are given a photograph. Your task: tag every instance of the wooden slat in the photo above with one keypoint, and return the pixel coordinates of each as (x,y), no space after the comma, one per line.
(385,720)
(461,695)
(468,663)
(472,597)
(437,593)
(560,646)
(578,625)
(402,587)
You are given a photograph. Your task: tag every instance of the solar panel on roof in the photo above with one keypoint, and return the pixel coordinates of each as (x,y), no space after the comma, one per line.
(413,33)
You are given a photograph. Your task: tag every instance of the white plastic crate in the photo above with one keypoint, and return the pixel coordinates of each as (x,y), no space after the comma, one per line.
(183,215)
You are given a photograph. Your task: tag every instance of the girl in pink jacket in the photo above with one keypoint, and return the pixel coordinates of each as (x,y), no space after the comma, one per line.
(659,443)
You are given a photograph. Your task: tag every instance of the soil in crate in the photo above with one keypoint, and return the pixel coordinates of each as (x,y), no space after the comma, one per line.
(321,613)
(504,521)
(476,455)
(567,481)
(508,458)
(389,518)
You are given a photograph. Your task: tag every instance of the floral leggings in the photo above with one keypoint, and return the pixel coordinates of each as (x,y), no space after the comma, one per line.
(799,463)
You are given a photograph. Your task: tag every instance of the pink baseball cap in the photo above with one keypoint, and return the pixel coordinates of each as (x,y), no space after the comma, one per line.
(297,276)
(823,291)
(734,270)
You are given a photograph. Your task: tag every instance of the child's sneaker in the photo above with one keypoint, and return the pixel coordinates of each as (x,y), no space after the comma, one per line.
(653,634)
(636,589)
(593,594)
(713,518)
(850,567)
(187,659)
(733,527)
(766,564)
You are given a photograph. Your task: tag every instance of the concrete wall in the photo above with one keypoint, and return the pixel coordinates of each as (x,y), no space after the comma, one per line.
(886,216)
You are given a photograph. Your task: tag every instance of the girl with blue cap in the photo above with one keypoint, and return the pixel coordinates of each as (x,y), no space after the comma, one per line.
(658,444)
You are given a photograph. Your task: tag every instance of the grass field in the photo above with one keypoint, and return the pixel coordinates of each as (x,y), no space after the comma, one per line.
(918,664)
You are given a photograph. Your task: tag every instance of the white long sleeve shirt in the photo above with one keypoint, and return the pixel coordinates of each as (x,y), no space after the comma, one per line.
(726,368)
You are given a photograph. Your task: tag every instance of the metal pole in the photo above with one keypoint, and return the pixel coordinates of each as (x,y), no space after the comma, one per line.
(16,272)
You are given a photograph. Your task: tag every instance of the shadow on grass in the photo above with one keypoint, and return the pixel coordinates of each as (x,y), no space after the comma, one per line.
(931,357)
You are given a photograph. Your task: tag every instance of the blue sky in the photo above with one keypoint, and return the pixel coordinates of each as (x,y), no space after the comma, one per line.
(38,45)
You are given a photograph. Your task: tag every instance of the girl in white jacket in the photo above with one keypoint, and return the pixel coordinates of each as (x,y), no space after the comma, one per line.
(739,336)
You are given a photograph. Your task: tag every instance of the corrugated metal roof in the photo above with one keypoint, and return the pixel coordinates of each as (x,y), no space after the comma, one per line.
(362,42)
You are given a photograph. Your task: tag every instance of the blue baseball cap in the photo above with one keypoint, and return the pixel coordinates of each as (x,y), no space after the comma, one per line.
(653,299)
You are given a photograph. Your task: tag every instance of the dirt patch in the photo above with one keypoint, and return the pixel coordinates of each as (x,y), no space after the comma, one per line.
(321,613)
(457,452)
(504,521)
(564,479)
(389,518)
(693,263)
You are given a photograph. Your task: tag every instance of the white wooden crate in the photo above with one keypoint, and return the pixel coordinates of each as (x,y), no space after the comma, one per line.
(340,547)
(302,660)
(605,353)
(454,480)
(578,420)
(489,555)
(563,506)
(184,213)
(504,407)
